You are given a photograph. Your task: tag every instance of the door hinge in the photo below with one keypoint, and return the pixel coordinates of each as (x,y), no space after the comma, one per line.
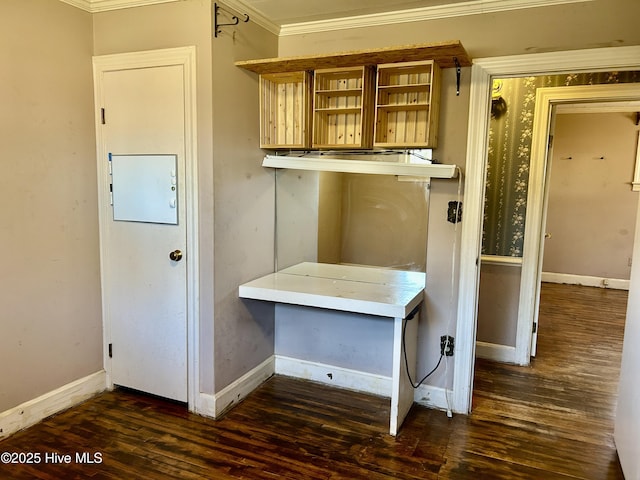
(111,350)
(535,327)
(102,117)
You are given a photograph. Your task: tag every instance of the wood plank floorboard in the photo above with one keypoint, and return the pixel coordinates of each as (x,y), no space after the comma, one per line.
(550,420)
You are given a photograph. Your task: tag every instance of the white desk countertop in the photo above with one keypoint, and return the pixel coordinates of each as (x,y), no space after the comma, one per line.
(369,290)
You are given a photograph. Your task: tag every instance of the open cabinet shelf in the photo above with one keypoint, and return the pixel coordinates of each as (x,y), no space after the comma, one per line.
(342,113)
(407,104)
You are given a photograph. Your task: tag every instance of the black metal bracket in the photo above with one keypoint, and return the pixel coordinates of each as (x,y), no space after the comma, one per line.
(458,70)
(235,20)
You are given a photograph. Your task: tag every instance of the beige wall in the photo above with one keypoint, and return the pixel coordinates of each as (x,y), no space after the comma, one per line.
(330,195)
(382,221)
(298,216)
(498,298)
(50,326)
(592,210)
(244,205)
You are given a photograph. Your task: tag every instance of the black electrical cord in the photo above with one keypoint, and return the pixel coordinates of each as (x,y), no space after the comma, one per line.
(406,362)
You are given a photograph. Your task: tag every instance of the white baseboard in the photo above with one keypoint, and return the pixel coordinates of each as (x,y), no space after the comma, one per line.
(426,395)
(496,352)
(433,397)
(217,404)
(205,405)
(334,376)
(36,410)
(587,281)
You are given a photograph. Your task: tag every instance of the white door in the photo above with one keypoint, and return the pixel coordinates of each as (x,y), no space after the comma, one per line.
(542,233)
(143,256)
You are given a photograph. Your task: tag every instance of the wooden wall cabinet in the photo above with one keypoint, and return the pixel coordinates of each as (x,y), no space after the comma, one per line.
(343,108)
(345,104)
(351,108)
(285,110)
(407,105)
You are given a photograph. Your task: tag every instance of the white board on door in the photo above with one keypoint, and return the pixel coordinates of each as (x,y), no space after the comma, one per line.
(144,188)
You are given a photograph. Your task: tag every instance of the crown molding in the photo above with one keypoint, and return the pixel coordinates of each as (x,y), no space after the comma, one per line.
(473,7)
(81,4)
(629,106)
(106,5)
(95,6)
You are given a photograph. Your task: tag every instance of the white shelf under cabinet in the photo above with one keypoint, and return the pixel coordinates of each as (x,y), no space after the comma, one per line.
(328,164)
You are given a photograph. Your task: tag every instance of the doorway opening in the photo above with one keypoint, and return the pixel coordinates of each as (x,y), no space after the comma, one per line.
(483,71)
(581,327)
(515,207)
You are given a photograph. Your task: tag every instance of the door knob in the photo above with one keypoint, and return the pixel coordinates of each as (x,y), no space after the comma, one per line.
(176,255)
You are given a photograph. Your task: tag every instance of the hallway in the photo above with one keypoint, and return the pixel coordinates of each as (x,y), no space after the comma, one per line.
(564,403)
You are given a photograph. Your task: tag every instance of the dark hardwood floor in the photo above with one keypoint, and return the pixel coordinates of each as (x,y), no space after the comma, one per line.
(551,420)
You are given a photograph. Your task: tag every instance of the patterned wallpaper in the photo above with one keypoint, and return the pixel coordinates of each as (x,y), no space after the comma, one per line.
(509,154)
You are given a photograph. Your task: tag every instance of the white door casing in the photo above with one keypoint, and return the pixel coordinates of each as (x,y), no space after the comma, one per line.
(144,263)
(482,72)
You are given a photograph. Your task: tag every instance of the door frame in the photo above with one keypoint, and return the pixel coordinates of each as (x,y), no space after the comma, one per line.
(186,58)
(482,73)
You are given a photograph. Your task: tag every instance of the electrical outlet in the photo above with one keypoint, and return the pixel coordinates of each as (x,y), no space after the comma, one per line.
(446,345)
(454,212)
(449,350)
